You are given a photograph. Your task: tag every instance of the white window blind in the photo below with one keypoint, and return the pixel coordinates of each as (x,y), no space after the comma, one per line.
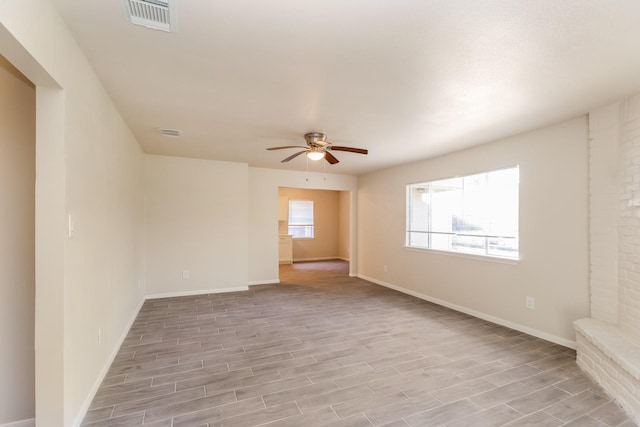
(301,219)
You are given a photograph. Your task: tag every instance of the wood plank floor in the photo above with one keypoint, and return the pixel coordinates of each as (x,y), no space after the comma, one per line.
(322,348)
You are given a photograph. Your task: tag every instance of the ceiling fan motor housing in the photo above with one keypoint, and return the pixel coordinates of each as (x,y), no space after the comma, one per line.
(316,139)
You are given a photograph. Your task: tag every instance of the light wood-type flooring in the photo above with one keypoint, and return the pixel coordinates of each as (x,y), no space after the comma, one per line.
(322,348)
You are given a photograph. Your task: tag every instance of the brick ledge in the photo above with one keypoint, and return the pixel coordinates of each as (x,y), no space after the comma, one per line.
(620,346)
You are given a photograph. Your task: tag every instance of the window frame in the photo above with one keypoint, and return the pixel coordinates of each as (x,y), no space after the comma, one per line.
(410,212)
(310,227)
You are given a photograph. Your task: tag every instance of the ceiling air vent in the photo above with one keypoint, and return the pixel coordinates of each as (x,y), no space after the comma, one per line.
(173,133)
(155,14)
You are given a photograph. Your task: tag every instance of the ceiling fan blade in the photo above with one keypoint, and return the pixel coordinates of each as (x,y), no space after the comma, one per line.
(285,146)
(349,149)
(293,156)
(330,158)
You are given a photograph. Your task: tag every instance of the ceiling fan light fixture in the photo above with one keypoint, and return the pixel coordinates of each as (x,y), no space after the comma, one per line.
(315,154)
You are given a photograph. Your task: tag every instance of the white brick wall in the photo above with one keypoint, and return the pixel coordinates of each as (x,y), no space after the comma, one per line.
(629,225)
(617,382)
(604,133)
(609,344)
(614,209)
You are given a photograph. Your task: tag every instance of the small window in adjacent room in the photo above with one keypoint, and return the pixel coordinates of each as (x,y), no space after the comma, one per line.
(474,214)
(301,219)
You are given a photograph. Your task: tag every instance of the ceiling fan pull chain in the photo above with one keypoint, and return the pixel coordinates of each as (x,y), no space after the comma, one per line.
(307,177)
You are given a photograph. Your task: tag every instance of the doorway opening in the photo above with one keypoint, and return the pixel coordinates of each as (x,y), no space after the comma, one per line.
(17,247)
(315,231)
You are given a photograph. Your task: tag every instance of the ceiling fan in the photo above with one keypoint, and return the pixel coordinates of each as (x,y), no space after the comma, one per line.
(318,148)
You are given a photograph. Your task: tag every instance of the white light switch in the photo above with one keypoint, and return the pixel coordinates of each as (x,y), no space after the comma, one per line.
(72,230)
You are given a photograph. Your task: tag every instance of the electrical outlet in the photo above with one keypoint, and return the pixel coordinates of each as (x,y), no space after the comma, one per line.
(530,303)
(185,274)
(385,268)
(139,283)
(99,335)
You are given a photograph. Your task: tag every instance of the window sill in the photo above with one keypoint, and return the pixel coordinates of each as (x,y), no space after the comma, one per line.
(488,258)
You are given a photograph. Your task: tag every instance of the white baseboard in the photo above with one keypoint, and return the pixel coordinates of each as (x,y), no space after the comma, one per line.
(324,258)
(23,423)
(198,292)
(484,316)
(264,282)
(103,372)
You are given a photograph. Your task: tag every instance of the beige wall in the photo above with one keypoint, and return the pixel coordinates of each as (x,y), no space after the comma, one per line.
(553,234)
(344,225)
(17,244)
(89,166)
(326,217)
(196,220)
(263,214)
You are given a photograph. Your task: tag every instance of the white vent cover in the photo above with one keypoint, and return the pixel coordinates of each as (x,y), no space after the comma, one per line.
(155,14)
(174,133)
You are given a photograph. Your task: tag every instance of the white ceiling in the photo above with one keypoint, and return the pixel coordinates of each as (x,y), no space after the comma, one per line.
(406,79)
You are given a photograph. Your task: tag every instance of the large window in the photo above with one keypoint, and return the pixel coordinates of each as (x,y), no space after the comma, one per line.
(474,214)
(301,219)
